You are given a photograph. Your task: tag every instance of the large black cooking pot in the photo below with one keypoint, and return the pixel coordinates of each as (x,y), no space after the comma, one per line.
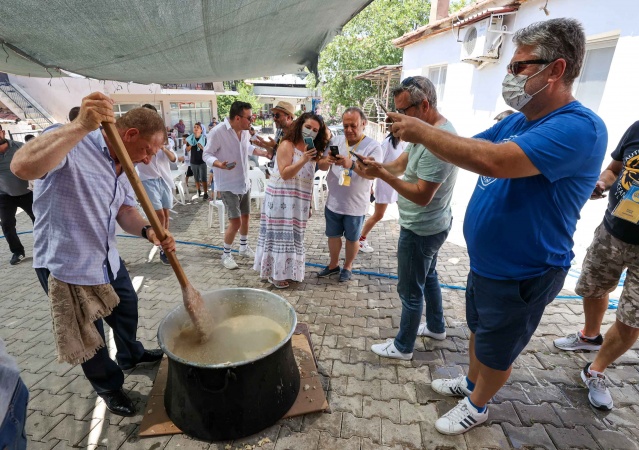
(239,398)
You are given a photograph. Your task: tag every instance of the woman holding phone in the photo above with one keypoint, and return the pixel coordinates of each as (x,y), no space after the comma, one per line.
(280,254)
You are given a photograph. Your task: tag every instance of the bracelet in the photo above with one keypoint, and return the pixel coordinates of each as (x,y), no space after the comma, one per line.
(144,230)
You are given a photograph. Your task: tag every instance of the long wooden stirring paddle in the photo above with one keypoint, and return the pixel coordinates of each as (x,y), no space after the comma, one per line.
(192,298)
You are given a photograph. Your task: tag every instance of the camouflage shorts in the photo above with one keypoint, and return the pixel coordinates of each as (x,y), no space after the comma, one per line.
(603,265)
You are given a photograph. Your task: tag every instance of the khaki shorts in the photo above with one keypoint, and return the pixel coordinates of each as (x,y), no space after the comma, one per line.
(603,265)
(236,204)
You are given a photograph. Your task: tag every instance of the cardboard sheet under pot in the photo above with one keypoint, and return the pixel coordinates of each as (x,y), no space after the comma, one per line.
(236,399)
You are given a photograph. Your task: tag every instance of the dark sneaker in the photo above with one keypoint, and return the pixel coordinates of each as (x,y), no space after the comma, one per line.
(578,341)
(345,275)
(164,259)
(16,259)
(326,272)
(199,193)
(205,196)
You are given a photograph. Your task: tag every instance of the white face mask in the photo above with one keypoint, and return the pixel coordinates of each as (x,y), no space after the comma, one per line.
(307,132)
(513,92)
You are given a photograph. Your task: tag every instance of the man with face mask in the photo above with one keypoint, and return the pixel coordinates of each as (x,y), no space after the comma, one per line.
(14,194)
(537,169)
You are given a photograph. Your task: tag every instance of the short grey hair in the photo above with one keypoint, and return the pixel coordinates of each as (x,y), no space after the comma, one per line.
(419,89)
(556,38)
(356,110)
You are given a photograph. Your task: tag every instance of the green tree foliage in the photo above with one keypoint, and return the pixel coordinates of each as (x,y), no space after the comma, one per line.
(365,43)
(245,94)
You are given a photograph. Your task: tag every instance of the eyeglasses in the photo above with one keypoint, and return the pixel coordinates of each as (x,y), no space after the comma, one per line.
(515,66)
(277,115)
(249,118)
(403,110)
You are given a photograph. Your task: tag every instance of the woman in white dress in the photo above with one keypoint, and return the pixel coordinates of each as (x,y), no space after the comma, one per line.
(280,254)
(392,148)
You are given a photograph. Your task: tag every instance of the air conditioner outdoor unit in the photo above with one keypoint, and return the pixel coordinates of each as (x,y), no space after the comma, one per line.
(482,41)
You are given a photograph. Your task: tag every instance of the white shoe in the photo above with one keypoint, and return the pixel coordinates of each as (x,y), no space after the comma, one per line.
(599,394)
(461,418)
(454,387)
(365,247)
(229,262)
(424,331)
(247,253)
(578,341)
(388,350)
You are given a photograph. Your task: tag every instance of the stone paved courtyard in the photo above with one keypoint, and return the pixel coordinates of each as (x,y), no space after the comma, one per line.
(375,403)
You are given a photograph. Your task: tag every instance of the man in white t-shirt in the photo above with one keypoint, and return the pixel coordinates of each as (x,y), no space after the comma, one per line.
(349,191)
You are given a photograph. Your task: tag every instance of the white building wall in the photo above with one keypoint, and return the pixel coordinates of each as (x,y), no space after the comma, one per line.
(59,95)
(473,97)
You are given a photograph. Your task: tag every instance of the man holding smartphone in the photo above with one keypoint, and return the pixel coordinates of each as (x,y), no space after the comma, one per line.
(348,191)
(425,192)
(227,150)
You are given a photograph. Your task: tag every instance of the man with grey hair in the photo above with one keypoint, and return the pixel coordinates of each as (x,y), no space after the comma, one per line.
(425,216)
(537,169)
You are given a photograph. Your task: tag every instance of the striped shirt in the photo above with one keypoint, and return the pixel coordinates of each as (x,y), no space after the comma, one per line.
(75,205)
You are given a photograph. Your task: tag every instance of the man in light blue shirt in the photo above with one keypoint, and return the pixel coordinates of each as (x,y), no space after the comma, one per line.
(80,192)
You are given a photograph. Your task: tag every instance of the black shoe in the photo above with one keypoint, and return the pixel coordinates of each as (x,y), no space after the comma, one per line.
(199,193)
(164,259)
(149,356)
(326,272)
(205,196)
(16,259)
(119,403)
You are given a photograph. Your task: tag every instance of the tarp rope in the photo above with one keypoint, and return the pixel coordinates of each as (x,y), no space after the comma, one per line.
(612,304)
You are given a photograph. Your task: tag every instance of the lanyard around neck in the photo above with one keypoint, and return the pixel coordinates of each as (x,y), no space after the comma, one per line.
(354,148)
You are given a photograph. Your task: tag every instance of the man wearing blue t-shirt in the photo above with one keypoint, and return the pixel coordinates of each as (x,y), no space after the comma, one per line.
(537,169)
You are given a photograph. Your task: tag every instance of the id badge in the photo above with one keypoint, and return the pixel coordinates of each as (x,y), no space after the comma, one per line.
(345,178)
(628,207)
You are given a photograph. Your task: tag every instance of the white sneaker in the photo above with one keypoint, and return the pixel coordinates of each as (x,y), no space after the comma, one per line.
(578,341)
(388,350)
(229,262)
(598,394)
(424,331)
(247,253)
(454,387)
(365,247)
(461,418)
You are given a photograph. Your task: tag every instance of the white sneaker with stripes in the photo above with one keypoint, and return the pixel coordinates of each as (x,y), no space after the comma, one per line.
(461,418)
(454,387)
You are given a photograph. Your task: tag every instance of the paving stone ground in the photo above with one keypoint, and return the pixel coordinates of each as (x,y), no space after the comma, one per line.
(375,403)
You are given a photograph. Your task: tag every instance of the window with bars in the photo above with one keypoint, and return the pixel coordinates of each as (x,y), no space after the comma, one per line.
(191,113)
(437,74)
(119,109)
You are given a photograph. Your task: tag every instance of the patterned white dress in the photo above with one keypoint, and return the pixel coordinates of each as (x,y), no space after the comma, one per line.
(280,250)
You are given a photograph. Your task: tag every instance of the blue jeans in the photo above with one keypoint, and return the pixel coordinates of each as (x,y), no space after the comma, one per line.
(416,261)
(12,432)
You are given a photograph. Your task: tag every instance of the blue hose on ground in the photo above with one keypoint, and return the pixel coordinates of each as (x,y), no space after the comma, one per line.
(612,304)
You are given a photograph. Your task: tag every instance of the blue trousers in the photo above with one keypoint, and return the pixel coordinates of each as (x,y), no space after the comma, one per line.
(12,431)
(102,372)
(416,262)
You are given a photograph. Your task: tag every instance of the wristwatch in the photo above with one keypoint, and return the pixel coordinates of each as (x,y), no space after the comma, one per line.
(144,230)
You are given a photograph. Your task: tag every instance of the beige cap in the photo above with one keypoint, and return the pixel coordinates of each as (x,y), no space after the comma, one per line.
(286,107)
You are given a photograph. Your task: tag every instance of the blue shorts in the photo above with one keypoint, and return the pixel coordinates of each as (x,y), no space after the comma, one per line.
(504,314)
(338,225)
(158,193)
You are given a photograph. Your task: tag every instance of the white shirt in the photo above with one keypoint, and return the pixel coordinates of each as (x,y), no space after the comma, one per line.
(351,200)
(158,167)
(222,145)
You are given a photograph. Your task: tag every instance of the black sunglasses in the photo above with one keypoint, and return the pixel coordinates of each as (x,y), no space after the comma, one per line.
(411,81)
(516,66)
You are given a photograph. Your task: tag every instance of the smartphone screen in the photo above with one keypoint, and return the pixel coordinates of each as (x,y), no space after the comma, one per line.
(334,151)
(309,142)
(231,165)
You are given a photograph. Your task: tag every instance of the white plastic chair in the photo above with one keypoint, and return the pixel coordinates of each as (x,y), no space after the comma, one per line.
(216,203)
(319,184)
(258,186)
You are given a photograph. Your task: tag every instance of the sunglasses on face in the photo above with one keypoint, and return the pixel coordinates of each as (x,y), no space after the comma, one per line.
(517,66)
